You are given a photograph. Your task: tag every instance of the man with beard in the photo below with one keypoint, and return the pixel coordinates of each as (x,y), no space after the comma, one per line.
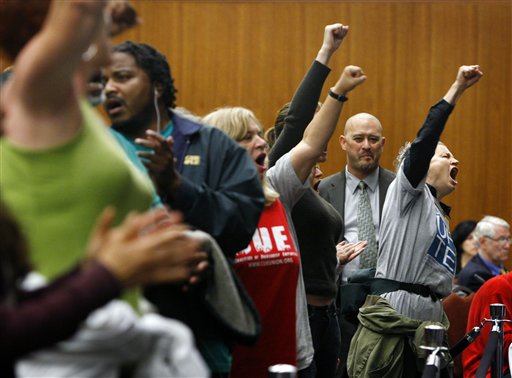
(363,142)
(196,169)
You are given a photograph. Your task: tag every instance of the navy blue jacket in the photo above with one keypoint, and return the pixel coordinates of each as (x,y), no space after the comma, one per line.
(221,194)
(220,190)
(474,274)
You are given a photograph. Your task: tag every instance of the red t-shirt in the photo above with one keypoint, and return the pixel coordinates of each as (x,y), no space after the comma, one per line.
(269,270)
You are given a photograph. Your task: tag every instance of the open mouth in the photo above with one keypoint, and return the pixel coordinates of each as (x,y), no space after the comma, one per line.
(260,160)
(114,105)
(454,171)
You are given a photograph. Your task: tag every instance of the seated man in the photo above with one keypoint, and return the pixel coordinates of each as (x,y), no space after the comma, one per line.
(496,290)
(493,236)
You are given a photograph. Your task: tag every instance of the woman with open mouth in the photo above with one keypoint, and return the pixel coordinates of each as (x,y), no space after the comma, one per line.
(270,266)
(416,249)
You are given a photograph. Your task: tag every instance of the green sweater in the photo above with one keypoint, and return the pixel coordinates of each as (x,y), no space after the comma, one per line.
(57,194)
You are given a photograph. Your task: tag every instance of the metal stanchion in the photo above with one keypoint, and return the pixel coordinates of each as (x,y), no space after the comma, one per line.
(282,371)
(498,312)
(434,337)
(493,353)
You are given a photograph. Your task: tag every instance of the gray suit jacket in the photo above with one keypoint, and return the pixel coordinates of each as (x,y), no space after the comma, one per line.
(332,189)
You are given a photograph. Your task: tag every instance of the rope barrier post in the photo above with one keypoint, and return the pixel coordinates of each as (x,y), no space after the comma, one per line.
(434,338)
(282,371)
(498,312)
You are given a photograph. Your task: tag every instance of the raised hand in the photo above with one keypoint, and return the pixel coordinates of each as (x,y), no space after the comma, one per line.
(346,252)
(466,77)
(160,163)
(351,77)
(123,16)
(333,37)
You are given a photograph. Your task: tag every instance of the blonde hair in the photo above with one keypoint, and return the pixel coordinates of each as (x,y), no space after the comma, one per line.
(235,121)
(404,150)
(401,155)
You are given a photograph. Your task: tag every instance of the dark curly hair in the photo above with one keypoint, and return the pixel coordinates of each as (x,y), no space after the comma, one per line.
(155,65)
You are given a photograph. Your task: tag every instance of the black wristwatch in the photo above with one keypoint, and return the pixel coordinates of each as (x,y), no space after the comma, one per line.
(340,98)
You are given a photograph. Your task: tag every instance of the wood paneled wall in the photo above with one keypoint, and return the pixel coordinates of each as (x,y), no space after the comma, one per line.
(254,54)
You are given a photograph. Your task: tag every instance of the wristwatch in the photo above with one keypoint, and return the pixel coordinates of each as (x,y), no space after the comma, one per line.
(340,98)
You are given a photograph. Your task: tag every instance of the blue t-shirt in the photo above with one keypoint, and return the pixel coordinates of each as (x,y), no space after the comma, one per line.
(131,153)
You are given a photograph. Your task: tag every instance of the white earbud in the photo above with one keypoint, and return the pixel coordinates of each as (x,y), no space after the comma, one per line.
(155,103)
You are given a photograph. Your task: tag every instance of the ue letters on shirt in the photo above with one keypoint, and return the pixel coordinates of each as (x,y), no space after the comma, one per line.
(269,269)
(442,249)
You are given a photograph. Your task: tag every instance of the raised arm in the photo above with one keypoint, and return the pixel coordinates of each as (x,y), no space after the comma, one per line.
(305,100)
(316,136)
(41,99)
(45,66)
(418,158)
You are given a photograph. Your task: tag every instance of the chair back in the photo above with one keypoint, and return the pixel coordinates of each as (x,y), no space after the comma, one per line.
(456,308)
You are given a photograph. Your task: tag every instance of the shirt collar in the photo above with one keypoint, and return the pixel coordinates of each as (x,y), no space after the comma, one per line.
(446,209)
(495,270)
(372,180)
(167,131)
(184,125)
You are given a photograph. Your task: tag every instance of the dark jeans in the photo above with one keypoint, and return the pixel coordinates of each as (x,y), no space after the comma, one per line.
(348,328)
(325,332)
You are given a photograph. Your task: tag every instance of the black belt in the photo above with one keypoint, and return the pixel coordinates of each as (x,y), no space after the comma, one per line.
(384,285)
(327,310)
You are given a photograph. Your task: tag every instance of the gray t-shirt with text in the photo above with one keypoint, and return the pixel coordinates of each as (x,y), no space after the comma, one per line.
(415,247)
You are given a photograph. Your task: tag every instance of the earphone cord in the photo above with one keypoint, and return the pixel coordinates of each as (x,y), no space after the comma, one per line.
(157,114)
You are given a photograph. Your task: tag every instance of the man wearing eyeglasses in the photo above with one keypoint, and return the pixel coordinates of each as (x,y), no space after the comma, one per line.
(493,235)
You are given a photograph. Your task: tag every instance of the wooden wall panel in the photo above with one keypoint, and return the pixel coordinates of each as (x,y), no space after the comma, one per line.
(254,54)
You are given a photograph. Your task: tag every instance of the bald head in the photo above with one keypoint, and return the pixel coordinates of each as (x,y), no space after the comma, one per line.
(359,118)
(363,142)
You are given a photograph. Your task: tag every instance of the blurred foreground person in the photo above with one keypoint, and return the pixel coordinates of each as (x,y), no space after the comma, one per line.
(60,169)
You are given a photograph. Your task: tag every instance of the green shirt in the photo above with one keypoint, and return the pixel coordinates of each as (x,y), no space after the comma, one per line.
(57,194)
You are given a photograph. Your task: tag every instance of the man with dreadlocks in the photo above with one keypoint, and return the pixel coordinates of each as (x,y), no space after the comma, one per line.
(197,169)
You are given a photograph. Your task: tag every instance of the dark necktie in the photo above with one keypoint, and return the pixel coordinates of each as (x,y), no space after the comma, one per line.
(366,228)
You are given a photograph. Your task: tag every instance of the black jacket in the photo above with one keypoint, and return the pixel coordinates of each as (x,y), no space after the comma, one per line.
(220,191)
(220,194)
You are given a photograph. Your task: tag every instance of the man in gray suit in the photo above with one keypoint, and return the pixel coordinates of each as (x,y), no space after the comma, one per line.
(363,142)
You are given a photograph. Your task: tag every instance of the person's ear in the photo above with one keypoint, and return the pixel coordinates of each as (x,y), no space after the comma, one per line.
(342,142)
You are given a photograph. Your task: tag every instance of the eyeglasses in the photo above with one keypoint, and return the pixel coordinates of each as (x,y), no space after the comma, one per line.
(501,239)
